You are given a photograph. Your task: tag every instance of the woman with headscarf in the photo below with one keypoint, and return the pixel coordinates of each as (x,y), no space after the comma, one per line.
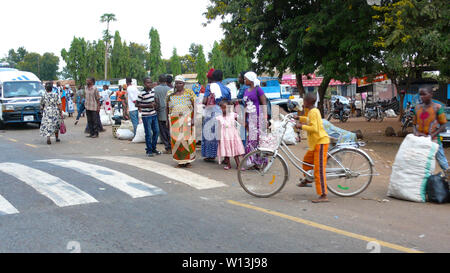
(215,92)
(180,115)
(255,116)
(51,114)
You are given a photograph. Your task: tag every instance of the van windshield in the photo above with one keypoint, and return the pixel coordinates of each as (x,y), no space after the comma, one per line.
(22,89)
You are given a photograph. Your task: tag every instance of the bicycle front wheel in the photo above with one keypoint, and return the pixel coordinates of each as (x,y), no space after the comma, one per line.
(349,172)
(262,174)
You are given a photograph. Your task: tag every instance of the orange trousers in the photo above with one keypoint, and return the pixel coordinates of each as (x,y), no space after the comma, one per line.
(318,158)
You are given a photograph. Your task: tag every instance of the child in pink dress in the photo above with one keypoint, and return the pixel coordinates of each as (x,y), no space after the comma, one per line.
(230,144)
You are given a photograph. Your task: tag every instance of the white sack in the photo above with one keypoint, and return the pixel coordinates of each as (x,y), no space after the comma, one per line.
(414,164)
(140,134)
(390,113)
(124,134)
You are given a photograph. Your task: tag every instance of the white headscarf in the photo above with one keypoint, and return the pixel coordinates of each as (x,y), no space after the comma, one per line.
(251,76)
(180,78)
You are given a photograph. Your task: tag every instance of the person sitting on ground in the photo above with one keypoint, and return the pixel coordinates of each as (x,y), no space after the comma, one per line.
(430,120)
(318,142)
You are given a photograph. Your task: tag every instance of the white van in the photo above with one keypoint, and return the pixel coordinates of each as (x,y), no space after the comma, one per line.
(20,97)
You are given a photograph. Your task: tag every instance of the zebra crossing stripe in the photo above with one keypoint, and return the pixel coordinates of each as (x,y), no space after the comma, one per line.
(127,184)
(52,187)
(189,178)
(6,207)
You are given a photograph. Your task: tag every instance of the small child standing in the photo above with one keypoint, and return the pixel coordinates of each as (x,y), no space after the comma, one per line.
(230,143)
(318,142)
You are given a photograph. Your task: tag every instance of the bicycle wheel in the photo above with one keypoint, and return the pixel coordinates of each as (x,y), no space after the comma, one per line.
(349,172)
(266,177)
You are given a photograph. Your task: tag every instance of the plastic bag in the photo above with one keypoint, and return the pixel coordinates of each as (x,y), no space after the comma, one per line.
(124,134)
(290,137)
(105,119)
(140,134)
(414,164)
(390,113)
(437,189)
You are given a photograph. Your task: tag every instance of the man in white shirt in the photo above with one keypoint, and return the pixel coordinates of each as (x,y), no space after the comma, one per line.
(133,111)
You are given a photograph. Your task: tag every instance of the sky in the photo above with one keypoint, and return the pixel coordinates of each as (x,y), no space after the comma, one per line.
(50,25)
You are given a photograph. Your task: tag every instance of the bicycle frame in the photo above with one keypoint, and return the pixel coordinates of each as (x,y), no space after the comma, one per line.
(296,161)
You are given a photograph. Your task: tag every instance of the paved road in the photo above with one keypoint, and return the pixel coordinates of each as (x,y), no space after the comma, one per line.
(81,196)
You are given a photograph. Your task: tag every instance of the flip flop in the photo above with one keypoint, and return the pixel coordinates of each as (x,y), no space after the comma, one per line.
(320,201)
(227,168)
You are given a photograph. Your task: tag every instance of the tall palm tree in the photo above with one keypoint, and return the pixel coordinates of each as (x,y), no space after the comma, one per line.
(107,18)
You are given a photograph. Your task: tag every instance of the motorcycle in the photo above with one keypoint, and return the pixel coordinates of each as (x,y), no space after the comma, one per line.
(374,113)
(336,115)
(407,119)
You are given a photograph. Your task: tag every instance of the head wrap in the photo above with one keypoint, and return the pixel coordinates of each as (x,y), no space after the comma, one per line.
(180,78)
(210,73)
(251,76)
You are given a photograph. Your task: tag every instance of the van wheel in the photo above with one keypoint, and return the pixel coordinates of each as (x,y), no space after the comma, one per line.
(2,125)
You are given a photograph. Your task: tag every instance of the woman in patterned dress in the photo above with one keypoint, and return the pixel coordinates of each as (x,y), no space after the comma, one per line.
(51,114)
(255,116)
(180,112)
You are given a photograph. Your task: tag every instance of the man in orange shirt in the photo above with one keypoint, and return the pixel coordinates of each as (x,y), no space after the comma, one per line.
(120,96)
(318,142)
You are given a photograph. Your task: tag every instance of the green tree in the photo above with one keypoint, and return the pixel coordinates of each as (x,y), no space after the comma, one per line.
(413,37)
(31,63)
(107,18)
(49,67)
(156,65)
(331,37)
(216,58)
(194,49)
(201,66)
(116,55)
(188,64)
(136,67)
(175,63)
(13,57)
(76,60)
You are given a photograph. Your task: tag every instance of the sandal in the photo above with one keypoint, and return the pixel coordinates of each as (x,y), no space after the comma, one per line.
(227,168)
(304,184)
(320,201)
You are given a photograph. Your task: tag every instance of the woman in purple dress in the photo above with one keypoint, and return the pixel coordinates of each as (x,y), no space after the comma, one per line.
(255,114)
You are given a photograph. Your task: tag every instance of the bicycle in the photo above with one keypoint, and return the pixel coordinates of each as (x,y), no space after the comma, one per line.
(349,169)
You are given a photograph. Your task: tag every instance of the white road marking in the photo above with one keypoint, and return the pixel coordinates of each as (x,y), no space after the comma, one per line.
(6,207)
(127,184)
(52,187)
(189,178)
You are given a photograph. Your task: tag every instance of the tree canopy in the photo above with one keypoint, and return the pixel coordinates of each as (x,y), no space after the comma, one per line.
(330,37)
(156,65)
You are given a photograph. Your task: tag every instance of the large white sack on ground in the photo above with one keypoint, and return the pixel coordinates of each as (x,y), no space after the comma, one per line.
(140,134)
(414,164)
(124,134)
